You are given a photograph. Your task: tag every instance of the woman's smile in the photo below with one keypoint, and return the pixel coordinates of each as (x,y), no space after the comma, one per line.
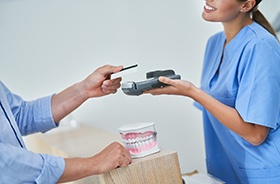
(209,8)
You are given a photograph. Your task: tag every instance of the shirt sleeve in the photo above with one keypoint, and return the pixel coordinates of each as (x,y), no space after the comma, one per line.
(34,168)
(35,116)
(31,116)
(258,98)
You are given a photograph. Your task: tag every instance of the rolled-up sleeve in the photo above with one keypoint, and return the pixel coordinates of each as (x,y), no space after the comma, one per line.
(41,168)
(30,116)
(43,118)
(34,116)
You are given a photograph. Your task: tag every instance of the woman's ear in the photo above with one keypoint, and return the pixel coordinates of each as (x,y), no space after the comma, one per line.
(248,6)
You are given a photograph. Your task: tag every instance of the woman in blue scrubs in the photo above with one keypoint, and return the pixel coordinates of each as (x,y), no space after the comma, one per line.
(239,94)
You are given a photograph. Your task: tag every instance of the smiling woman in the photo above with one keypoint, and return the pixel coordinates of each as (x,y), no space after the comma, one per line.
(239,95)
(56,42)
(223,11)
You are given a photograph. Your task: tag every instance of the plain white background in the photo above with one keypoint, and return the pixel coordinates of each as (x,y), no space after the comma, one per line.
(47,45)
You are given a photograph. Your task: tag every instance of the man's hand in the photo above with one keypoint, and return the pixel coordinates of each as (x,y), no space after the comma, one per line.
(113,156)
(98,83)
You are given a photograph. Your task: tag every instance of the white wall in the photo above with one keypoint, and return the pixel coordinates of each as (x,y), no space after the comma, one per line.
(48,45)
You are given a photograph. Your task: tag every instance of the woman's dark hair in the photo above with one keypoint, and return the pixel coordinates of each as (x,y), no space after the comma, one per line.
(258,17)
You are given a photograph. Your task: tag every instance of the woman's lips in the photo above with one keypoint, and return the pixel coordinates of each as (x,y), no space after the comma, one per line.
(209,8)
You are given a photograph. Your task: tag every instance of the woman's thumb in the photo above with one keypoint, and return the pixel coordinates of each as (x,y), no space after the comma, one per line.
(165,80)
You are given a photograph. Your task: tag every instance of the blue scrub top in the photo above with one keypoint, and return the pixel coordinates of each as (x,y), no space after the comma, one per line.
(248,80)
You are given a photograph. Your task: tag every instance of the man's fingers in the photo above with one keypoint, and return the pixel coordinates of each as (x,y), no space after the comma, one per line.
(109,69)
(111,86)
(124,161)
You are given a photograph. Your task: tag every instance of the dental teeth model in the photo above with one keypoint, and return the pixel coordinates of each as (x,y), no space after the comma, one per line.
(140,139)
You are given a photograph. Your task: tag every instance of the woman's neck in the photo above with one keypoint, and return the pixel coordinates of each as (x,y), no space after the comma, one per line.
(231,29)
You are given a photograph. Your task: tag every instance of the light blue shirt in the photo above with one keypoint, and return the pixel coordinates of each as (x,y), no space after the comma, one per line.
(248,80)
(17,118)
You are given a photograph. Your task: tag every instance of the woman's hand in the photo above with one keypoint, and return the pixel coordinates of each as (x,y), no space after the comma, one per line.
(175,87)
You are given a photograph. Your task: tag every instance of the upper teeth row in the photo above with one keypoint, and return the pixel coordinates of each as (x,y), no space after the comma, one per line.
(138,139)
(209,7)
(140,144)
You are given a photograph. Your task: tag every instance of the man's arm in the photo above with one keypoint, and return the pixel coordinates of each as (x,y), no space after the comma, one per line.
(18,165)
(95,85)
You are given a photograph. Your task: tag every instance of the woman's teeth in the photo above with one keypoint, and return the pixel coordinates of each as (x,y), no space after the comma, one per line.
(209,7)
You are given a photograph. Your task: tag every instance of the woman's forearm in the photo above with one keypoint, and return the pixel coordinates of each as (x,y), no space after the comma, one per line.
(229,117)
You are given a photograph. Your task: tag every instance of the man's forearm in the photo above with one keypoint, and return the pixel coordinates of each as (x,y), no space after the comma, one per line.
(77,168)
(66,101)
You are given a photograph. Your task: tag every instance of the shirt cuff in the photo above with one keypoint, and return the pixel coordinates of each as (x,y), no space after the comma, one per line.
(53,168)
(44,119)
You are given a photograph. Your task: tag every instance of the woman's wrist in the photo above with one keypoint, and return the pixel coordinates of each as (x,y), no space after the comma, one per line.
(194,92)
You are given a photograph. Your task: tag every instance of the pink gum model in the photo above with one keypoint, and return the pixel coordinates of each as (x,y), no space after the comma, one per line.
(140,139)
